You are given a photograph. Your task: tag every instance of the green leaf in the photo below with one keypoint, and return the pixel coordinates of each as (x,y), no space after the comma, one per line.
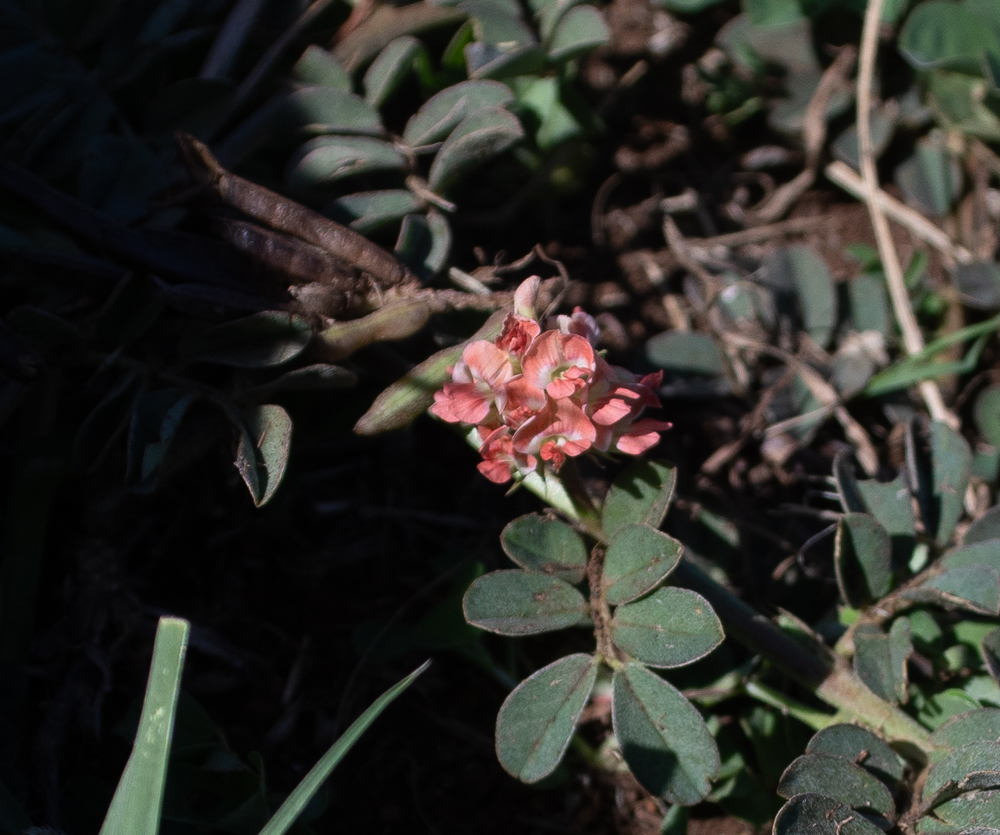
(990,650)
(101,429)
(297,801)
(889,503)
(478,138)
(859,746)
(317,377)
(799,268)
(548,13)
(322,110)
(639,496)
(662,736)
(870,303)
(817,814)
(940,33)
(155,420)
(411,395)
(546,546)
(579,31)
(986,553)
(442,113)
(974,726)
(135,809)
(670,628)
(517,603)
(542,99)
(319,67)
(390,68)
(489,60)
(987,416)
(951,461)
(369,211)
(262,340)
(883,126)
(880,659)
(772,12)
(497,21)
(863,559)
(262,455)
(964,103)
(978,283)
(424,243)
(326,160)
(930,179)
(839,779)
(983,529)
(968,812)
(972,587)
(971,767)
(686,352)
(539,717)
(637,560)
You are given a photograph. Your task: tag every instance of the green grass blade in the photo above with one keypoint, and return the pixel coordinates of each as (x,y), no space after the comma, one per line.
(135,809)
(300,797)
(908,373)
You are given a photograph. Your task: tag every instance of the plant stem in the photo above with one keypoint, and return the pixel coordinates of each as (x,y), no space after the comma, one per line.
(913,340)
(826,674)
(600,612)
(815,719)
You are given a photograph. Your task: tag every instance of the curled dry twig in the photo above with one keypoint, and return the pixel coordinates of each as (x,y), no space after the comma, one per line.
(814,137)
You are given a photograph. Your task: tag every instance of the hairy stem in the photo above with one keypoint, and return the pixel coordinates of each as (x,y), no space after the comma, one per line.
(600,611)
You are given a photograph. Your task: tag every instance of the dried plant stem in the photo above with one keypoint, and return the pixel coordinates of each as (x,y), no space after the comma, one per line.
(845,177)
(913,340)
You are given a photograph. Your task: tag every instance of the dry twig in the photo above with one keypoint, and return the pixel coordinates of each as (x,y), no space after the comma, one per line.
(847,179)
(913,340)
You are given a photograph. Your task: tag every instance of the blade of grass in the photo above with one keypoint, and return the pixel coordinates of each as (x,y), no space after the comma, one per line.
(303,792)
(135,809)
(906,373)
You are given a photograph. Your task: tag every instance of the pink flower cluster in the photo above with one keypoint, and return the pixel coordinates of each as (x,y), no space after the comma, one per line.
(538,396)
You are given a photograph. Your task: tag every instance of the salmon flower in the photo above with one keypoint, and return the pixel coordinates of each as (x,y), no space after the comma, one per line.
(478,384)
(538,396)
